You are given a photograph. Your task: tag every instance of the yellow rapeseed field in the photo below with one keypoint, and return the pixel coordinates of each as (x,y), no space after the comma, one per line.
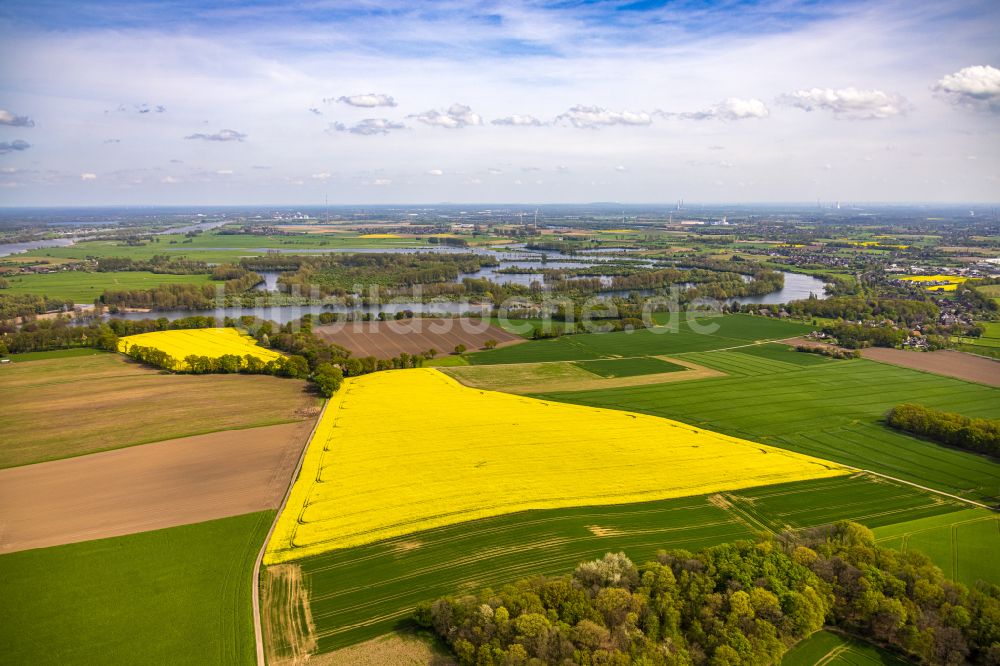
(952,281)
(406,450)
(379,236)
(211,342)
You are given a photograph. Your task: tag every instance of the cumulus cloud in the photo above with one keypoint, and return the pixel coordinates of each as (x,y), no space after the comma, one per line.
(456,117)
(848,102)
(315,111)
(367,101)
(10,118)
(976,87)
(592,117)
(11,146)
(321,176)
(519,121)
(169,180)
(221,135)
(368,127)
(224,172)
(435,172)
(732,108)
(88,176)
(620,167)
(381,182)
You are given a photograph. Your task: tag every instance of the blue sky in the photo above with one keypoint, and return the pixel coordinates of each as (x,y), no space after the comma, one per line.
(403,102)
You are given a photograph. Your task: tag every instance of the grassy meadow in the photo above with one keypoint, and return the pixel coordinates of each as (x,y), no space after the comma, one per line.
(174,596)
(826,648)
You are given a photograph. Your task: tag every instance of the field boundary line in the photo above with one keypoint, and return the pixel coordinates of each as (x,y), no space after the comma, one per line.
(931,490)
(255,590)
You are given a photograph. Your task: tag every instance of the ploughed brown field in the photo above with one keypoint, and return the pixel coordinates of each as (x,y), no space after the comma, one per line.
(943,362)
(385,339)
(65,407)
(174,482)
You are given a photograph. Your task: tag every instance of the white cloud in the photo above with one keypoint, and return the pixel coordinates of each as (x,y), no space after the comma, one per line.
(381,182)
(592,117)
(224,172)
(732,108)
(9,118)
(321,176)
(367,101)
(620,167)
(519,121)
(169,180)
(849,102)
(435,172)
(456,117)
(368,127)
(221,135)
(975,87)
(88,176)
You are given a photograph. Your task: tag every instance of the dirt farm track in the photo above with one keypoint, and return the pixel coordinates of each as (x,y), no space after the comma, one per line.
(174,482)
(385,339)
(944,362)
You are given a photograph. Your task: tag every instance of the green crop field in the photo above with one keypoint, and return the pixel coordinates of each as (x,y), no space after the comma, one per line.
(360,593)
(832,410)
(779,352)
(717,333)
(173,596)
(963,544)
(629,367)
(84,286)
(825,648)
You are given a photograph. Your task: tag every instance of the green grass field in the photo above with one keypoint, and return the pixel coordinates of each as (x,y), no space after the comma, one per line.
(629,367)
(173,596)
(963,544)
(56,353)
(84,287)
(825,648)
(779,352)
(833,410)
(722,332)
(363,592)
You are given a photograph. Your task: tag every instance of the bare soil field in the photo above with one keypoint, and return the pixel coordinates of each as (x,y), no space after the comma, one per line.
(565,376)
(65,407)
(943,362)
(149,487)
(396,648)
(385,339)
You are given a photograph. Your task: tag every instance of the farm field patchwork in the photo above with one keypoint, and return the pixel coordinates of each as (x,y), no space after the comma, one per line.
(720,332)
(435,434)
(833,411)
(172,596)
(963,544)
(83,286)
(210,342)
(358,593)
(70,406)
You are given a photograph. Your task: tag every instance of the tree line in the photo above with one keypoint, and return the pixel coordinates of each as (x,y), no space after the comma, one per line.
(977,435)
(234,280)
(738,603)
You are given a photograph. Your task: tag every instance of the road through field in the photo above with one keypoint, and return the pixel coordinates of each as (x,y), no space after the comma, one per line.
(148,487)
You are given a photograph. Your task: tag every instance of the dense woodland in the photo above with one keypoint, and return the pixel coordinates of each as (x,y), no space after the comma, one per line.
(978,435)
(738,603)
(230,281)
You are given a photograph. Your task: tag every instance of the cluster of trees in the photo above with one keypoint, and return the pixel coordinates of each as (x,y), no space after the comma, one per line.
(732,285)
(13,306)
(448,240)
(860,308)
(738,603)
(856,336)
(160,263)
(339,274)
(58,333)
(979,435)
(234,281)
(832,352)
